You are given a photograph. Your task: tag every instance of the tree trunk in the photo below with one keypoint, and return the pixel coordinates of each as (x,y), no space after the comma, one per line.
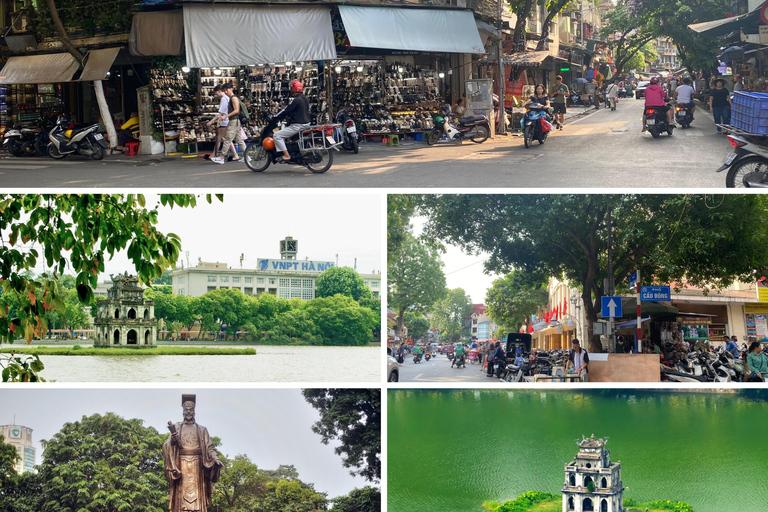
(97,85)
(400,323)
(519,34)
(545,30)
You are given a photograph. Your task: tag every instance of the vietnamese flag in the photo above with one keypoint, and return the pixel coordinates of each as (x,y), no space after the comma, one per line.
(565,305)
(557,312)
(530,328)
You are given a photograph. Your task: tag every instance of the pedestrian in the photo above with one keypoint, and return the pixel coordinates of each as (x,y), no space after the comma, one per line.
(497,357)
(732,347)
(672,85)
(223,121)
(578,359)
(757,362)
(612,92)
(720,104)
(558,94)
(233,126)
(738,84)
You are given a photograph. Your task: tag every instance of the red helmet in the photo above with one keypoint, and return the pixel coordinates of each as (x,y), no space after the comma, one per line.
(296,86)
(655,80)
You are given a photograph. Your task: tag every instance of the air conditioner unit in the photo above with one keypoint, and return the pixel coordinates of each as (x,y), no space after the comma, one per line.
(21,20)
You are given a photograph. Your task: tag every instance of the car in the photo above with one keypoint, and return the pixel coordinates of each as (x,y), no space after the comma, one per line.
(640,91)
(393,369)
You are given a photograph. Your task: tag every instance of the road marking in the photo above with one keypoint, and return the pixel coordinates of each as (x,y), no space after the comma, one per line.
(693,133)
(419,375)
(23,167)
(220,172)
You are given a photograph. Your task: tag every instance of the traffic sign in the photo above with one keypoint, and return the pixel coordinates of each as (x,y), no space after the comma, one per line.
(632,279)
(655,293)
(611,307)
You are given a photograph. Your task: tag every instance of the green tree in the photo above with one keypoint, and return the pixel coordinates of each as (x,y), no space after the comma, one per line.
(353,417)
(78,232)
(417,325)
(8,458)
(367,499)
(513,298)
(341,320)
(415,278)
(292,496)
(240,485)
(341,280)
(400,208)
(294,327)
(646,54)
(104,464)
(24,493)
(698,239)
(628,31)
(449,313)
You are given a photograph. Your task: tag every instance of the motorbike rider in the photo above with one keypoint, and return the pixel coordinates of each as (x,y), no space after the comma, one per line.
(498,356)
(458,352)
(684,95)
(656,97)
(417,350)
(297,113)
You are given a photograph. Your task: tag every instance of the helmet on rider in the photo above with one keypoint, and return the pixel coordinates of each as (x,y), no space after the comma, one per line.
(296,86)
(655,80)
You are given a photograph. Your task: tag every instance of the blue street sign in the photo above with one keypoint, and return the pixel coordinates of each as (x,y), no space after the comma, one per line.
(655,293)
(612,307)
(632,280)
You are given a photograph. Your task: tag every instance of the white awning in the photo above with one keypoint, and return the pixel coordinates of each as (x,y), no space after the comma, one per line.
(39,69)
(241,35)
(97,64)
(425,30)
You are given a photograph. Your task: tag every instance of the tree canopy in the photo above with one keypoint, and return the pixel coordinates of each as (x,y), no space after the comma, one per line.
(513,298)
(353,418)
(450,312)
(367,499)
(702,240)
(342,281)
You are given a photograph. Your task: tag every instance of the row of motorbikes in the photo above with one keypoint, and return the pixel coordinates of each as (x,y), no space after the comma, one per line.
(57,139)
(702,366)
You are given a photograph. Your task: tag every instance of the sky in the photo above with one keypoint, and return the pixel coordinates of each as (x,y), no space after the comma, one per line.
(253,224)
(462,270)
(271,426)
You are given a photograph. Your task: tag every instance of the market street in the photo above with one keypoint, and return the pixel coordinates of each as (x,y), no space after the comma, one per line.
(598,149)
(439,369)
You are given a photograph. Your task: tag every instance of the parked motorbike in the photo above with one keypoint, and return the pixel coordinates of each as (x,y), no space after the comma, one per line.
(261,152)
(748,163)
(656,122)
(576,99)
(349,136)
(534,124)
(475,128)
(17,140)
(83,141)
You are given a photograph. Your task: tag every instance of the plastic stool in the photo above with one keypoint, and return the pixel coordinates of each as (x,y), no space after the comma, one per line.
(394,140)
(131,148)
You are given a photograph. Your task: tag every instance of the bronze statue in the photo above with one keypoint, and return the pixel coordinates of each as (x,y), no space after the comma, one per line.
(191,463)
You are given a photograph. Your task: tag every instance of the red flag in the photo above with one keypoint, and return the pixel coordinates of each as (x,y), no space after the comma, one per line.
(557,312)
(565,305)
(530,328)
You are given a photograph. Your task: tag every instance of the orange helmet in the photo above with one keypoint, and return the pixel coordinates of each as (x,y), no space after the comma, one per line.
(268,143)
(296,86)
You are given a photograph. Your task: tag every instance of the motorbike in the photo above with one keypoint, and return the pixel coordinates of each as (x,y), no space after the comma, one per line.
(683,115)
(459,361)
(308,149)
(622,92)
(475,128)
(747,165)
(83,141)
(427,356)
(575,99)
(417,358)
(534,124)
(349,137)
(656,122)
(18,140)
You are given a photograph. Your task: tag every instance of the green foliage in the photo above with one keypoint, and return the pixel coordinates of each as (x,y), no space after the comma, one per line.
(637,62)
(343,281)
(8,457)
(632,30)
(104,463)
(400,209)
(353,417)
(367,499)
(418,326)
(449,313)
(139,350)
(86,17)
(525,501)
(239,486)
(590,487)
(513,298)
(341,321)
(293,328)
(22,493)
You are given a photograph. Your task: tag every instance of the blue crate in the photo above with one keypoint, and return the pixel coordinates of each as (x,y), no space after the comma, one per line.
(750,112)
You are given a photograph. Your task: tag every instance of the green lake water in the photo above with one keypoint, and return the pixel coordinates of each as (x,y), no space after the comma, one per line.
(450,450)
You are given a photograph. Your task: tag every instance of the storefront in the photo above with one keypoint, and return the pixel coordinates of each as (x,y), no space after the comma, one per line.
(756,319)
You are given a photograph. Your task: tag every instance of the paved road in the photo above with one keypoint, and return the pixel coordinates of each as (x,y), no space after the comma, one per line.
(439,370)
(599,149)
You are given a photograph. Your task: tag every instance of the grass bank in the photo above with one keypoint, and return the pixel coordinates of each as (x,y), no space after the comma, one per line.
(534,501)
(138,351)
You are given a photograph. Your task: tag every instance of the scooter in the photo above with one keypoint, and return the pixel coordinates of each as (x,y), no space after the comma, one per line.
(656,122)
(307,149)
(84,141)
(417,358)
(459,361)
(748,163)
(534,124)
(427,356)
(683,115)
(17,140)
(349,137)
(475,128)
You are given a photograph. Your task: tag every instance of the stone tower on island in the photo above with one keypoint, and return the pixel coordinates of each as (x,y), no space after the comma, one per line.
(592,481)
(126,318)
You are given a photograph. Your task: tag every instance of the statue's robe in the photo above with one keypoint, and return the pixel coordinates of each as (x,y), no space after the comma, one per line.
(195,458)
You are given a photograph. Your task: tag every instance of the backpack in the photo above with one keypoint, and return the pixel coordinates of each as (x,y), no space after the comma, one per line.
(243,116)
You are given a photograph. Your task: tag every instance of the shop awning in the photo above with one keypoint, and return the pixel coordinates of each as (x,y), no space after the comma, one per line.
(256,34)
(425,30)
(526,58)
(630,323)
(725,26)
(39,69)
(487,30)
(157,33)
(97,64)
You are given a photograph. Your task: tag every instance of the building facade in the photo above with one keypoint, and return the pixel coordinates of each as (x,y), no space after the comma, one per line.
(480,325)
(286,278)
(125,318)
(592,481)
(21,438)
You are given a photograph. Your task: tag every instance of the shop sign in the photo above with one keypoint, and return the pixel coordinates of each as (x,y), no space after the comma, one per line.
(694,320)
(294,265)
(655,293)
(762,291)
(144,97)
(763,34)
(755,308)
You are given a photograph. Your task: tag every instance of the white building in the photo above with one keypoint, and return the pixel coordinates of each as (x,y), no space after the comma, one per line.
(287,277)
(592,481)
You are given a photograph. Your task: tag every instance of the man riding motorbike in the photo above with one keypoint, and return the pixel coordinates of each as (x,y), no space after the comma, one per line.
(297,113)
(656,97)
(458,352)
(684,94)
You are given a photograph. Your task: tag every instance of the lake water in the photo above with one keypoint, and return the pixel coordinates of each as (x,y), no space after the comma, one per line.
(450,450)
(270,364)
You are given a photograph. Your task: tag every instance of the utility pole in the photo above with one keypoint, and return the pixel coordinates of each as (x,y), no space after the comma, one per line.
(502,125)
